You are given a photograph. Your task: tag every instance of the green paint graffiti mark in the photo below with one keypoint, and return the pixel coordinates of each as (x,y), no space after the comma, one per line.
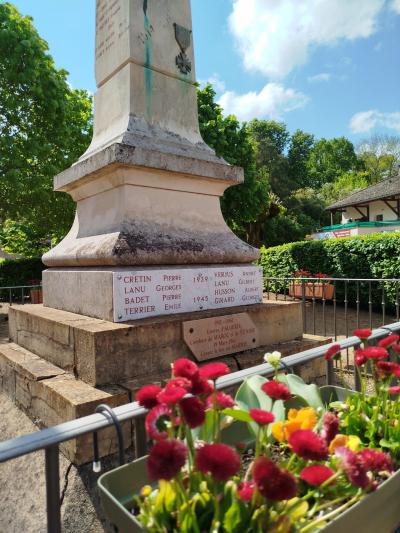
(148,73)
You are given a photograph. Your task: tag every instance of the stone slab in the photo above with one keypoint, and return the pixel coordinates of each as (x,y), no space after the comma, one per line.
(107,353)
(131,294)
(210,338)
(51,396)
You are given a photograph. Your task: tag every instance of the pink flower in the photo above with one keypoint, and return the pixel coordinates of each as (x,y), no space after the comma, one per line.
(201,387)
(388,341)
(246,490)
(276,390)
(155,422)
(395,390)
(360,357)
(185,368)
(261,417)
(315,475)
(222,400)
(330,427)
(332,351)
(362,334)
(308,445)
(193,412)
(375,352)
(166,458)
(219,460)
(375,460)
(272,482)
(387,368)
(353,466)
(214,370)
(147,396)
(174,391)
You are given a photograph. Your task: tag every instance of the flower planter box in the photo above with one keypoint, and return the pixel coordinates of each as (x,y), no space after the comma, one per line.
(317,290)
(377,512)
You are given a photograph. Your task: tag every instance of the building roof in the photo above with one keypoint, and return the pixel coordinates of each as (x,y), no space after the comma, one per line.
(384,189)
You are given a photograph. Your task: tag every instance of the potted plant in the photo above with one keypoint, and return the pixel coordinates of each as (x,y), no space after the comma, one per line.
(303,471)
(320,289)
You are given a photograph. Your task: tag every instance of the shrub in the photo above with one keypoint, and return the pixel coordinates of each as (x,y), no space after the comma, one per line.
(374,256)
(20,271)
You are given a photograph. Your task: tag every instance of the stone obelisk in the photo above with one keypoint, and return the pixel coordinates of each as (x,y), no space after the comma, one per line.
(148,188)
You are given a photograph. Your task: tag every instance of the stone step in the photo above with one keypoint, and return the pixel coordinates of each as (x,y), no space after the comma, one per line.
(49,395)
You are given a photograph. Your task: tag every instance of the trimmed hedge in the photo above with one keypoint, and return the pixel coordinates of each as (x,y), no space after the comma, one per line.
(374,256)
(20,271)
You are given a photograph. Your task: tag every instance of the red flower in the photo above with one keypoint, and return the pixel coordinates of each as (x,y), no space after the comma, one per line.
(360,357)
(388,341)
(321,275)
(214,370)
(246,490)
(174,391)
(219,460)
(147,396)
(330,427)
(272,482)
(166,458)
(155,422)
(193,411)
(301,273)
(396,348)
(222,400)
(375,460)
(201,387)
(375,352)
(387,368)
(308,445)
(315,475)
(362,334)
(394,390)
(185,368)
(353,466)
(332,351)
(276,390)
(261,417)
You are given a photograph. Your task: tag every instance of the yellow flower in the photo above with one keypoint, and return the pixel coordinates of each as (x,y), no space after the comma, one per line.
(349,441)
(304,418)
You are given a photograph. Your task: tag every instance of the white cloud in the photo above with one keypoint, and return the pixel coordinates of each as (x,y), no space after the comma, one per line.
(271,102)
(275,36)
(216,81)
(395,5)
(365,121)
(323,76)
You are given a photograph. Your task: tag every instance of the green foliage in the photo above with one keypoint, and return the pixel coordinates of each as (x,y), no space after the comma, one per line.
(20,272)
(345,185)
(249,204)
(44,127)
(380,155)
(369,256)
(329,159)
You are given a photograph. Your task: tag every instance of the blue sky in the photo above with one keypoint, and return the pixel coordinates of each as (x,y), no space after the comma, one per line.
(329,67)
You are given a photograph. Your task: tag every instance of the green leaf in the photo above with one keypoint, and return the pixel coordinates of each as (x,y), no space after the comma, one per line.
(238,414)
(251,396)
(309,393)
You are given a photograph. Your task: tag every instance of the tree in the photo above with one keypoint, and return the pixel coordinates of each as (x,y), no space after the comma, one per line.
(300,147)
(381,156)
(344,185)
(44,127)
(329,159)
(245,206)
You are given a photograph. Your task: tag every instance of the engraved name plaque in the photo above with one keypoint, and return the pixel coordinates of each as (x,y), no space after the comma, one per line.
(151,292)
(212,337)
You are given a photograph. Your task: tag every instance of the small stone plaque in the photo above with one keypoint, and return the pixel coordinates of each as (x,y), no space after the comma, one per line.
(209,338)
(152,292)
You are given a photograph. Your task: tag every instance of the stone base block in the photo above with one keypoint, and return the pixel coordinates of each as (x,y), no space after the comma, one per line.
(101,353)
(51,396)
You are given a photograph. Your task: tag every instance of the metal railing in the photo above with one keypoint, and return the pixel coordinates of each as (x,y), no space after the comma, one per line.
(17,294)
(50,439)
(336,306)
